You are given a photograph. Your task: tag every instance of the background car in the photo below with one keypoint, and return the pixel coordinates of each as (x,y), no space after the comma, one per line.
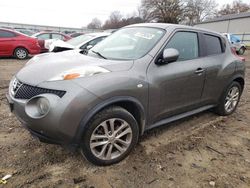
(25,31)
(83,42)
(235,41)
(13,43)
(73,35)
(42,36)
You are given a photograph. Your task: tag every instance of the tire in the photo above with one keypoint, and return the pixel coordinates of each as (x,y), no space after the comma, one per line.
(21,53)
(241,51)
(222,109)
(113,141)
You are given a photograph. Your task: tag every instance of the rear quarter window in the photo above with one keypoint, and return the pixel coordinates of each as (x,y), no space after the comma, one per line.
(6,34)
(213,45)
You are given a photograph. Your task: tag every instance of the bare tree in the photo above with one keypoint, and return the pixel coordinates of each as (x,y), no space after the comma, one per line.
(167,11)
(115,17)
(144,14)
(198,10)
(236,7)
(95,24)
(114,21)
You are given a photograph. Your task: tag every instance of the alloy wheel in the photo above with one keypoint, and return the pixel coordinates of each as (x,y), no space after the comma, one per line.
(111,139)
(232,99)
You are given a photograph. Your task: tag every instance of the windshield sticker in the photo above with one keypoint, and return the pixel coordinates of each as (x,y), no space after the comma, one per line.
(147,36)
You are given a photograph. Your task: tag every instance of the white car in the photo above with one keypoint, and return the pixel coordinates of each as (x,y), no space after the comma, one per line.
(83,42)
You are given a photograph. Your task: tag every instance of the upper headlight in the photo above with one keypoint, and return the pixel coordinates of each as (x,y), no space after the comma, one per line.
(79,72)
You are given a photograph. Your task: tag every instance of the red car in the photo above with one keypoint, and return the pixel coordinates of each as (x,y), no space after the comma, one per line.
(42,36)
(13,43)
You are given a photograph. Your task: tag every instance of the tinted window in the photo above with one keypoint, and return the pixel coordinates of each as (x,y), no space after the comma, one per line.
(187,45)
(6,34)
(213,45)
(44,36)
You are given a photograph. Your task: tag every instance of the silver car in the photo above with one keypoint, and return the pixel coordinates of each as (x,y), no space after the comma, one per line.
(141,77)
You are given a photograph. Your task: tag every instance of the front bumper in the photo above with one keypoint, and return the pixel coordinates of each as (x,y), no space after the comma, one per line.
(60,124)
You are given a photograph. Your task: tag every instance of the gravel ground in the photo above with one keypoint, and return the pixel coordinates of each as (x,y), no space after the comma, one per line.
(204,150)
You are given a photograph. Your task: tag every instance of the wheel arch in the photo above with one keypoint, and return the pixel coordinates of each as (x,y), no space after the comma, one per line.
(241,81)
(20,46)
(131,104)
(238,78)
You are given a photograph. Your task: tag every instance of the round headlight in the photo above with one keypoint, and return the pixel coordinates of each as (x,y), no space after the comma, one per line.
(43,105)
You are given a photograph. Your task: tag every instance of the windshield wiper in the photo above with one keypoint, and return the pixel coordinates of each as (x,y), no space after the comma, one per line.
(99,54)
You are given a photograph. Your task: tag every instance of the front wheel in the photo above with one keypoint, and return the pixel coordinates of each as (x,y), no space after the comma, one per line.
(110,136)
(21,53)
(229,100)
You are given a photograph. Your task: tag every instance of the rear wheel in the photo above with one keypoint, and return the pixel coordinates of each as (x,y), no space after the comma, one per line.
(110,136)
(230,99)
(21,53)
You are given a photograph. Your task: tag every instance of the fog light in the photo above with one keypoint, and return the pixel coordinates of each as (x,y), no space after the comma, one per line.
(38,107)
(43,105)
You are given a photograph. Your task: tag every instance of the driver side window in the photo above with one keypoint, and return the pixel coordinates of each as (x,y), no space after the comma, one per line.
(186,43)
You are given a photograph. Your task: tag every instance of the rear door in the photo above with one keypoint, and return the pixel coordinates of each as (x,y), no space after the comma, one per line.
(7,43)
(218,69)
(177,87)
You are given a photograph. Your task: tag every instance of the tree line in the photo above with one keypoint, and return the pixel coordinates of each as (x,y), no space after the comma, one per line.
(189,12)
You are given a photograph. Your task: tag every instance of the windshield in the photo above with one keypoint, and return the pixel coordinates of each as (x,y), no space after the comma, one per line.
(79,40)
(129,43)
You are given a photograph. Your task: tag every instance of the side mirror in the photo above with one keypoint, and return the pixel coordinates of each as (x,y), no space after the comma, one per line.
(89,47)
(169,55)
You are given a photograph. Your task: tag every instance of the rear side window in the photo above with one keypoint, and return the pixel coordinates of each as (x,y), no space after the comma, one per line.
(6,34)
(213,45)
(186,43)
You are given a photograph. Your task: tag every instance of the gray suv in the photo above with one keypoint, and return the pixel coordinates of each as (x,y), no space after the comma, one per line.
(139,78)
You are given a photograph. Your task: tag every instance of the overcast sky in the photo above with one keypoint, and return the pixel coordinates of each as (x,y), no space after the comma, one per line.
(70,13)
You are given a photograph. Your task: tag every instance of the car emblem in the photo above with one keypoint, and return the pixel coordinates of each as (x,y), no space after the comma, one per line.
(15,86)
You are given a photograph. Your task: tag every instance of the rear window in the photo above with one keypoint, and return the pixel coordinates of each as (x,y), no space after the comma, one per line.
(6,34)
(213,45)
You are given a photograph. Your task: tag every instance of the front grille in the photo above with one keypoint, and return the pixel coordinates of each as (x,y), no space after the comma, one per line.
(25,91)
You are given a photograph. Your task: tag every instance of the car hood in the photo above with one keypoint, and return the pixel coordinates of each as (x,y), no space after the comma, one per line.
(58,46)
(44,67)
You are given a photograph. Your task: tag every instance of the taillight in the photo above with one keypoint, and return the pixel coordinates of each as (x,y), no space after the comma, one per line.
(233,50)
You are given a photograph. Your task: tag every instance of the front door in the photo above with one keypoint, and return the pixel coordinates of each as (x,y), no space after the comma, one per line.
(177,87)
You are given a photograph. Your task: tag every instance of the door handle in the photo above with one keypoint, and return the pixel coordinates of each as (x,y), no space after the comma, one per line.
(199,71)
